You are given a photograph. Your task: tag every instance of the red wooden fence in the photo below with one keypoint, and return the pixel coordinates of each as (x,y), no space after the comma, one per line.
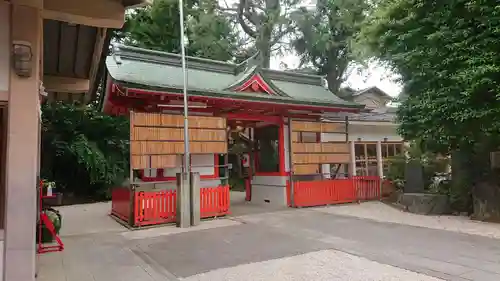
(367,187)
(158,207)
(154,207)
(316,193)
(214,201)
(120,202)
(334,191)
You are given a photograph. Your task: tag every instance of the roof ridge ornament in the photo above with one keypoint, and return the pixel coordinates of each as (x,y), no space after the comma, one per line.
(248,63)
(114,53)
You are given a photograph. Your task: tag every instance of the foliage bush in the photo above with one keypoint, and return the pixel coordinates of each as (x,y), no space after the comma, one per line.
(434,169)
(448,65)
(83,150)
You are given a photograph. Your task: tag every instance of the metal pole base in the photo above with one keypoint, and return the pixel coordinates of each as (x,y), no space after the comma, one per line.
(195,198)
(183,201)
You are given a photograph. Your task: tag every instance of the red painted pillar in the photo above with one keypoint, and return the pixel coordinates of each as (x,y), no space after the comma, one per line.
(281,147)
(248,189)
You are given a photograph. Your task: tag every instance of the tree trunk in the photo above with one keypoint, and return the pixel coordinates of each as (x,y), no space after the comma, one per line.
(486,200)
(333,80)
(486,188)
(475,188)
(461,181)
(263,44)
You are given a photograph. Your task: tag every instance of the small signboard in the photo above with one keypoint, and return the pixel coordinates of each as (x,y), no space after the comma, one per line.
(245,160)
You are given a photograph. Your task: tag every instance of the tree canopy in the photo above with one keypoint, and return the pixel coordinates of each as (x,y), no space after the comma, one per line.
(447,55)
(266,22)
(83,150)
(326,36)
(209,34)
(236,30)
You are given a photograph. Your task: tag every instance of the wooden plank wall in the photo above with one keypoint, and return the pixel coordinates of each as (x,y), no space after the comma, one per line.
(308,157)
(156,139)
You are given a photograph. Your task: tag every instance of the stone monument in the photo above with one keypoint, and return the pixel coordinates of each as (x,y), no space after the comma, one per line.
(415,199)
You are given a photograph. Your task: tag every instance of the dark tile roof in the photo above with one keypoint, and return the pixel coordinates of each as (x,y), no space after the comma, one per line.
(163,70)
(384,114)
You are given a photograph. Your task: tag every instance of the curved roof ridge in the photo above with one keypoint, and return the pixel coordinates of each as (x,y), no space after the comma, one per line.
(242,77)
(160,57)
(297,77)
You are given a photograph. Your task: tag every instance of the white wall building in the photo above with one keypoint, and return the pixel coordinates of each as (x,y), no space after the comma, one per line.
(372,134)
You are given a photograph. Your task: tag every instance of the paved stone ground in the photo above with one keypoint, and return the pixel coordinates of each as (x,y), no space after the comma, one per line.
(324,265)
(384,213)
(301,244)
(87,218)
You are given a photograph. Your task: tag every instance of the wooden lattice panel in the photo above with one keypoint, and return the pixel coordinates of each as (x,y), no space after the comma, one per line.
(176,134)
(306,126)
(177,121)
(333,127)
(307,157)
(168,147)
(298,147)
(153,161)
(156,139)
(318,127)
(320,158)
(335,147)
(307,169)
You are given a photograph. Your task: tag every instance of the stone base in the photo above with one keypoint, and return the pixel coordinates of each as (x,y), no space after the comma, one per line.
(424,203)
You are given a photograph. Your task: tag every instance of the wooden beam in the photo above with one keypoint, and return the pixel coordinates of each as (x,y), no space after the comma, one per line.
(30,3)
(95,60)
(131,4)
(99,13)
(65,84)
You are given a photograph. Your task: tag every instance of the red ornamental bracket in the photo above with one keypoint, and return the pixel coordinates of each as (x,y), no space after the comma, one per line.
(255,85)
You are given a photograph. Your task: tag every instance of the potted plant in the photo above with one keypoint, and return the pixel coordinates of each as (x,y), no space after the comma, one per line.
(56,219)
(54,198)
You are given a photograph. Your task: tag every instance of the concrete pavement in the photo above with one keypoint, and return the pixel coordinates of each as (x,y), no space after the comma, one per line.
(384,213)
(295,244)
(323,265)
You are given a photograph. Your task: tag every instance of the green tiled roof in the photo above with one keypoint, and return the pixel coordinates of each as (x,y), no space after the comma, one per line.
(148,69)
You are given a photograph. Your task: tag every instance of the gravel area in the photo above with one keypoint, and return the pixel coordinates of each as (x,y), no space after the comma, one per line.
(326,265)
(383,213)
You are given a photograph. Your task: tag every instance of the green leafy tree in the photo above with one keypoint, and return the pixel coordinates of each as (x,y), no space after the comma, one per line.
(446,53)
(268,24)
(84,151)
(209,34)
(326,36)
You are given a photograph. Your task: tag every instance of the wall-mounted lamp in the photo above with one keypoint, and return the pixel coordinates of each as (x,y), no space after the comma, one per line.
(22,58)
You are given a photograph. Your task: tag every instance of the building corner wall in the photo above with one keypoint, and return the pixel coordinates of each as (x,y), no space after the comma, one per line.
(4,92)
(22,152)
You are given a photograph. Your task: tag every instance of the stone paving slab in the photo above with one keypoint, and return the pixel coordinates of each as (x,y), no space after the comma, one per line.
(201,251)
(435,252)
(381,212)
(254,245)
(324,265)
(94,257)
(172,229)
(84,219)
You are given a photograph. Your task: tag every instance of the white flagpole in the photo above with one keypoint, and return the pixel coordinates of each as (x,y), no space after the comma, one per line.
(183,191)
(187,164)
